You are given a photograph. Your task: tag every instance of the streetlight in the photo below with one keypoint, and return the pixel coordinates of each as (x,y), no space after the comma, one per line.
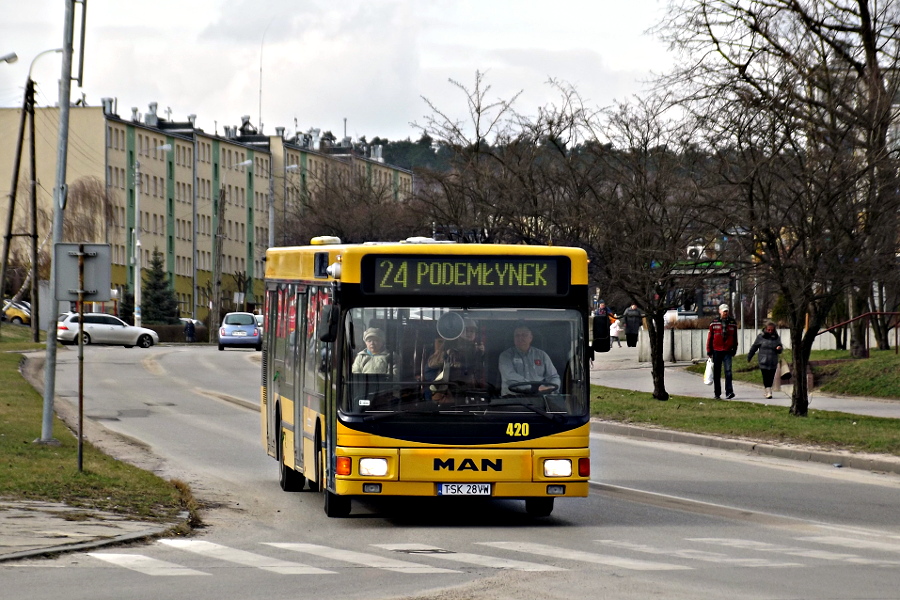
(138,280)
(9,58)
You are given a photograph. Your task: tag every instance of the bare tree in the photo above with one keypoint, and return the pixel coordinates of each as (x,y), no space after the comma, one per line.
(470,202)
(644,213)
(796,97)
(89,212)
(352,207)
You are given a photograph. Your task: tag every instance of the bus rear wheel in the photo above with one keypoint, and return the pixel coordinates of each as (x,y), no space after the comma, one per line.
(289,479)
(336,506)
(539,507)
(316,486)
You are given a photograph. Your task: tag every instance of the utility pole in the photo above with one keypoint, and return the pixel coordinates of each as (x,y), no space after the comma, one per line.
(271,240)
(59,206)
(35,307)
(137,243)
(7,237)
(217,267)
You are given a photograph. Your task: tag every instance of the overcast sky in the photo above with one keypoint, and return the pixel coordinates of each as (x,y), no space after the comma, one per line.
(370,62)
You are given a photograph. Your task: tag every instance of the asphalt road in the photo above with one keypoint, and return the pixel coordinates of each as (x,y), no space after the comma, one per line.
(663,520)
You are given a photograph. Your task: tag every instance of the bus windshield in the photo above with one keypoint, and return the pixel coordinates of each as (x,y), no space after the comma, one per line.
(449,360)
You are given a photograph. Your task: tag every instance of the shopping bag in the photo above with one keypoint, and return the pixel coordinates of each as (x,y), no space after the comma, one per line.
(708,373)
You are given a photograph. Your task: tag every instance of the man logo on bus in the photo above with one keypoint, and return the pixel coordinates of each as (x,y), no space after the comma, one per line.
(468,464)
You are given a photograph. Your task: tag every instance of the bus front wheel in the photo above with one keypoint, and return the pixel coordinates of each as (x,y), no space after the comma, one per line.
(336,506)
(539,507)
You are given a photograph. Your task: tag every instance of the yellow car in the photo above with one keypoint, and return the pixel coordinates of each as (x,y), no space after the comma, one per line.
(16,313)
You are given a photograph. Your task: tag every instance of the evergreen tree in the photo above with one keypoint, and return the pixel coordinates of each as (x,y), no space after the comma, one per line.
(126,306)
(158,302)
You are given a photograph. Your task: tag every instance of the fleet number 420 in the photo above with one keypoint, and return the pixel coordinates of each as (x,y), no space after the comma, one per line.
(517,430)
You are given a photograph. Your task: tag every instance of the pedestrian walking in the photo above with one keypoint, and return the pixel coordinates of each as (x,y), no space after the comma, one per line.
(614,329)
(633,320)
(721,346)
(768,345)
(189,331)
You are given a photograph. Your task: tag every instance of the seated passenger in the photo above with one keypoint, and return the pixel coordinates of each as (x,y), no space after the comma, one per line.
(457,364)
(375,358)
(523,363)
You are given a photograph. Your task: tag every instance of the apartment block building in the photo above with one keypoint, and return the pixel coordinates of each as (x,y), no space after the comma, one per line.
(175,189)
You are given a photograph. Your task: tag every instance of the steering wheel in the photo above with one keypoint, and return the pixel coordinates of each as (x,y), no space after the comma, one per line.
(531,387)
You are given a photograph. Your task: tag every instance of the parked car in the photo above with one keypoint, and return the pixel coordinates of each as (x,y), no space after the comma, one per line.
(18,312)
(239,329)
(259,323)
(100,328)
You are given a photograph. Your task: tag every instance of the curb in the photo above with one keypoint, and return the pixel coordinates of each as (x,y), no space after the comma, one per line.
(867,462)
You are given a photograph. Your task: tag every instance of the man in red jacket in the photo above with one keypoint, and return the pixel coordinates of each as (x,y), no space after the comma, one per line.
(721,346)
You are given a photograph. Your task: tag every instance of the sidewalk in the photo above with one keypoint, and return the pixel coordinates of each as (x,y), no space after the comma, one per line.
(30,529)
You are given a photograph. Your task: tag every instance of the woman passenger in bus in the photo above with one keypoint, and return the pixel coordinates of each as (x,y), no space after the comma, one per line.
(375,359)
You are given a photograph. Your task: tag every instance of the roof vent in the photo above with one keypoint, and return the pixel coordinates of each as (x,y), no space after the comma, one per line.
(325,240)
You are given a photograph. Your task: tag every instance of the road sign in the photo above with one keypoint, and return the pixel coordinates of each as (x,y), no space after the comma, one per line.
(97,271)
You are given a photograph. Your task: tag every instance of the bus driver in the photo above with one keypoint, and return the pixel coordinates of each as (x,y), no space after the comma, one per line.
(523,363)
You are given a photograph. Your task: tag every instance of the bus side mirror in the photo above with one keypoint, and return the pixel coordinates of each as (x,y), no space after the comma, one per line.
(328,323)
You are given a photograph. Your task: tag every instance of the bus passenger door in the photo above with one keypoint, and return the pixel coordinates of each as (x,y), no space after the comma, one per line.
(268,397)
(299,306)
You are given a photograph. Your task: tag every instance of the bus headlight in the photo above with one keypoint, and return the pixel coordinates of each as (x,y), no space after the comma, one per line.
(561,467)
(373,467)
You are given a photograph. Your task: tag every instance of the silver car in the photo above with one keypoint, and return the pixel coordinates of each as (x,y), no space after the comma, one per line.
(100,328)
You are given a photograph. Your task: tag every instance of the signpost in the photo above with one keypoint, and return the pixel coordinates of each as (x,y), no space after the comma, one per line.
(82,272)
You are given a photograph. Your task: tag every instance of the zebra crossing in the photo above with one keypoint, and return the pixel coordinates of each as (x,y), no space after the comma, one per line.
(287,558)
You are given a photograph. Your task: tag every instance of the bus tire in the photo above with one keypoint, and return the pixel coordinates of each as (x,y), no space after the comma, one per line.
(539,507)
(316,486)
(289,479)
(336,506)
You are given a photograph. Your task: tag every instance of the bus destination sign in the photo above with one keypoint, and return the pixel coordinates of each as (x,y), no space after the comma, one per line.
(460,275)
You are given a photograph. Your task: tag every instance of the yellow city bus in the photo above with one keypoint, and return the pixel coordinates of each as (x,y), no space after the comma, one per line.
(451,401)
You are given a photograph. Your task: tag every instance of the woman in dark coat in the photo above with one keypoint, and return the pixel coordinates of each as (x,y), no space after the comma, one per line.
(768,344)
(633,320)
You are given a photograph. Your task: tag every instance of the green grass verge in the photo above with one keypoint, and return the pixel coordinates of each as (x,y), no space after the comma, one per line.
(877,376)
(827,429)
(30,471)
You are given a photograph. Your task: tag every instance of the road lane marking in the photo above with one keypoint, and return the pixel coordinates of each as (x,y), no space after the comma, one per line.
(361,558)
(714,557)
(795,551)
(846,542)
(479,560)
(590,557)
(242,557)
(145,564)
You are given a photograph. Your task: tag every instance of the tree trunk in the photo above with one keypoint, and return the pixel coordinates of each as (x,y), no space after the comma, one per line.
(880,323)
(801,348)
(656,330)
(858,329)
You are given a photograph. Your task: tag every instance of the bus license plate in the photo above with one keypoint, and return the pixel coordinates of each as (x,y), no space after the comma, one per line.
(464,489)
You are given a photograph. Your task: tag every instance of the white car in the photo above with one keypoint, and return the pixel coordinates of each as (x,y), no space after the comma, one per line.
(101,328)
